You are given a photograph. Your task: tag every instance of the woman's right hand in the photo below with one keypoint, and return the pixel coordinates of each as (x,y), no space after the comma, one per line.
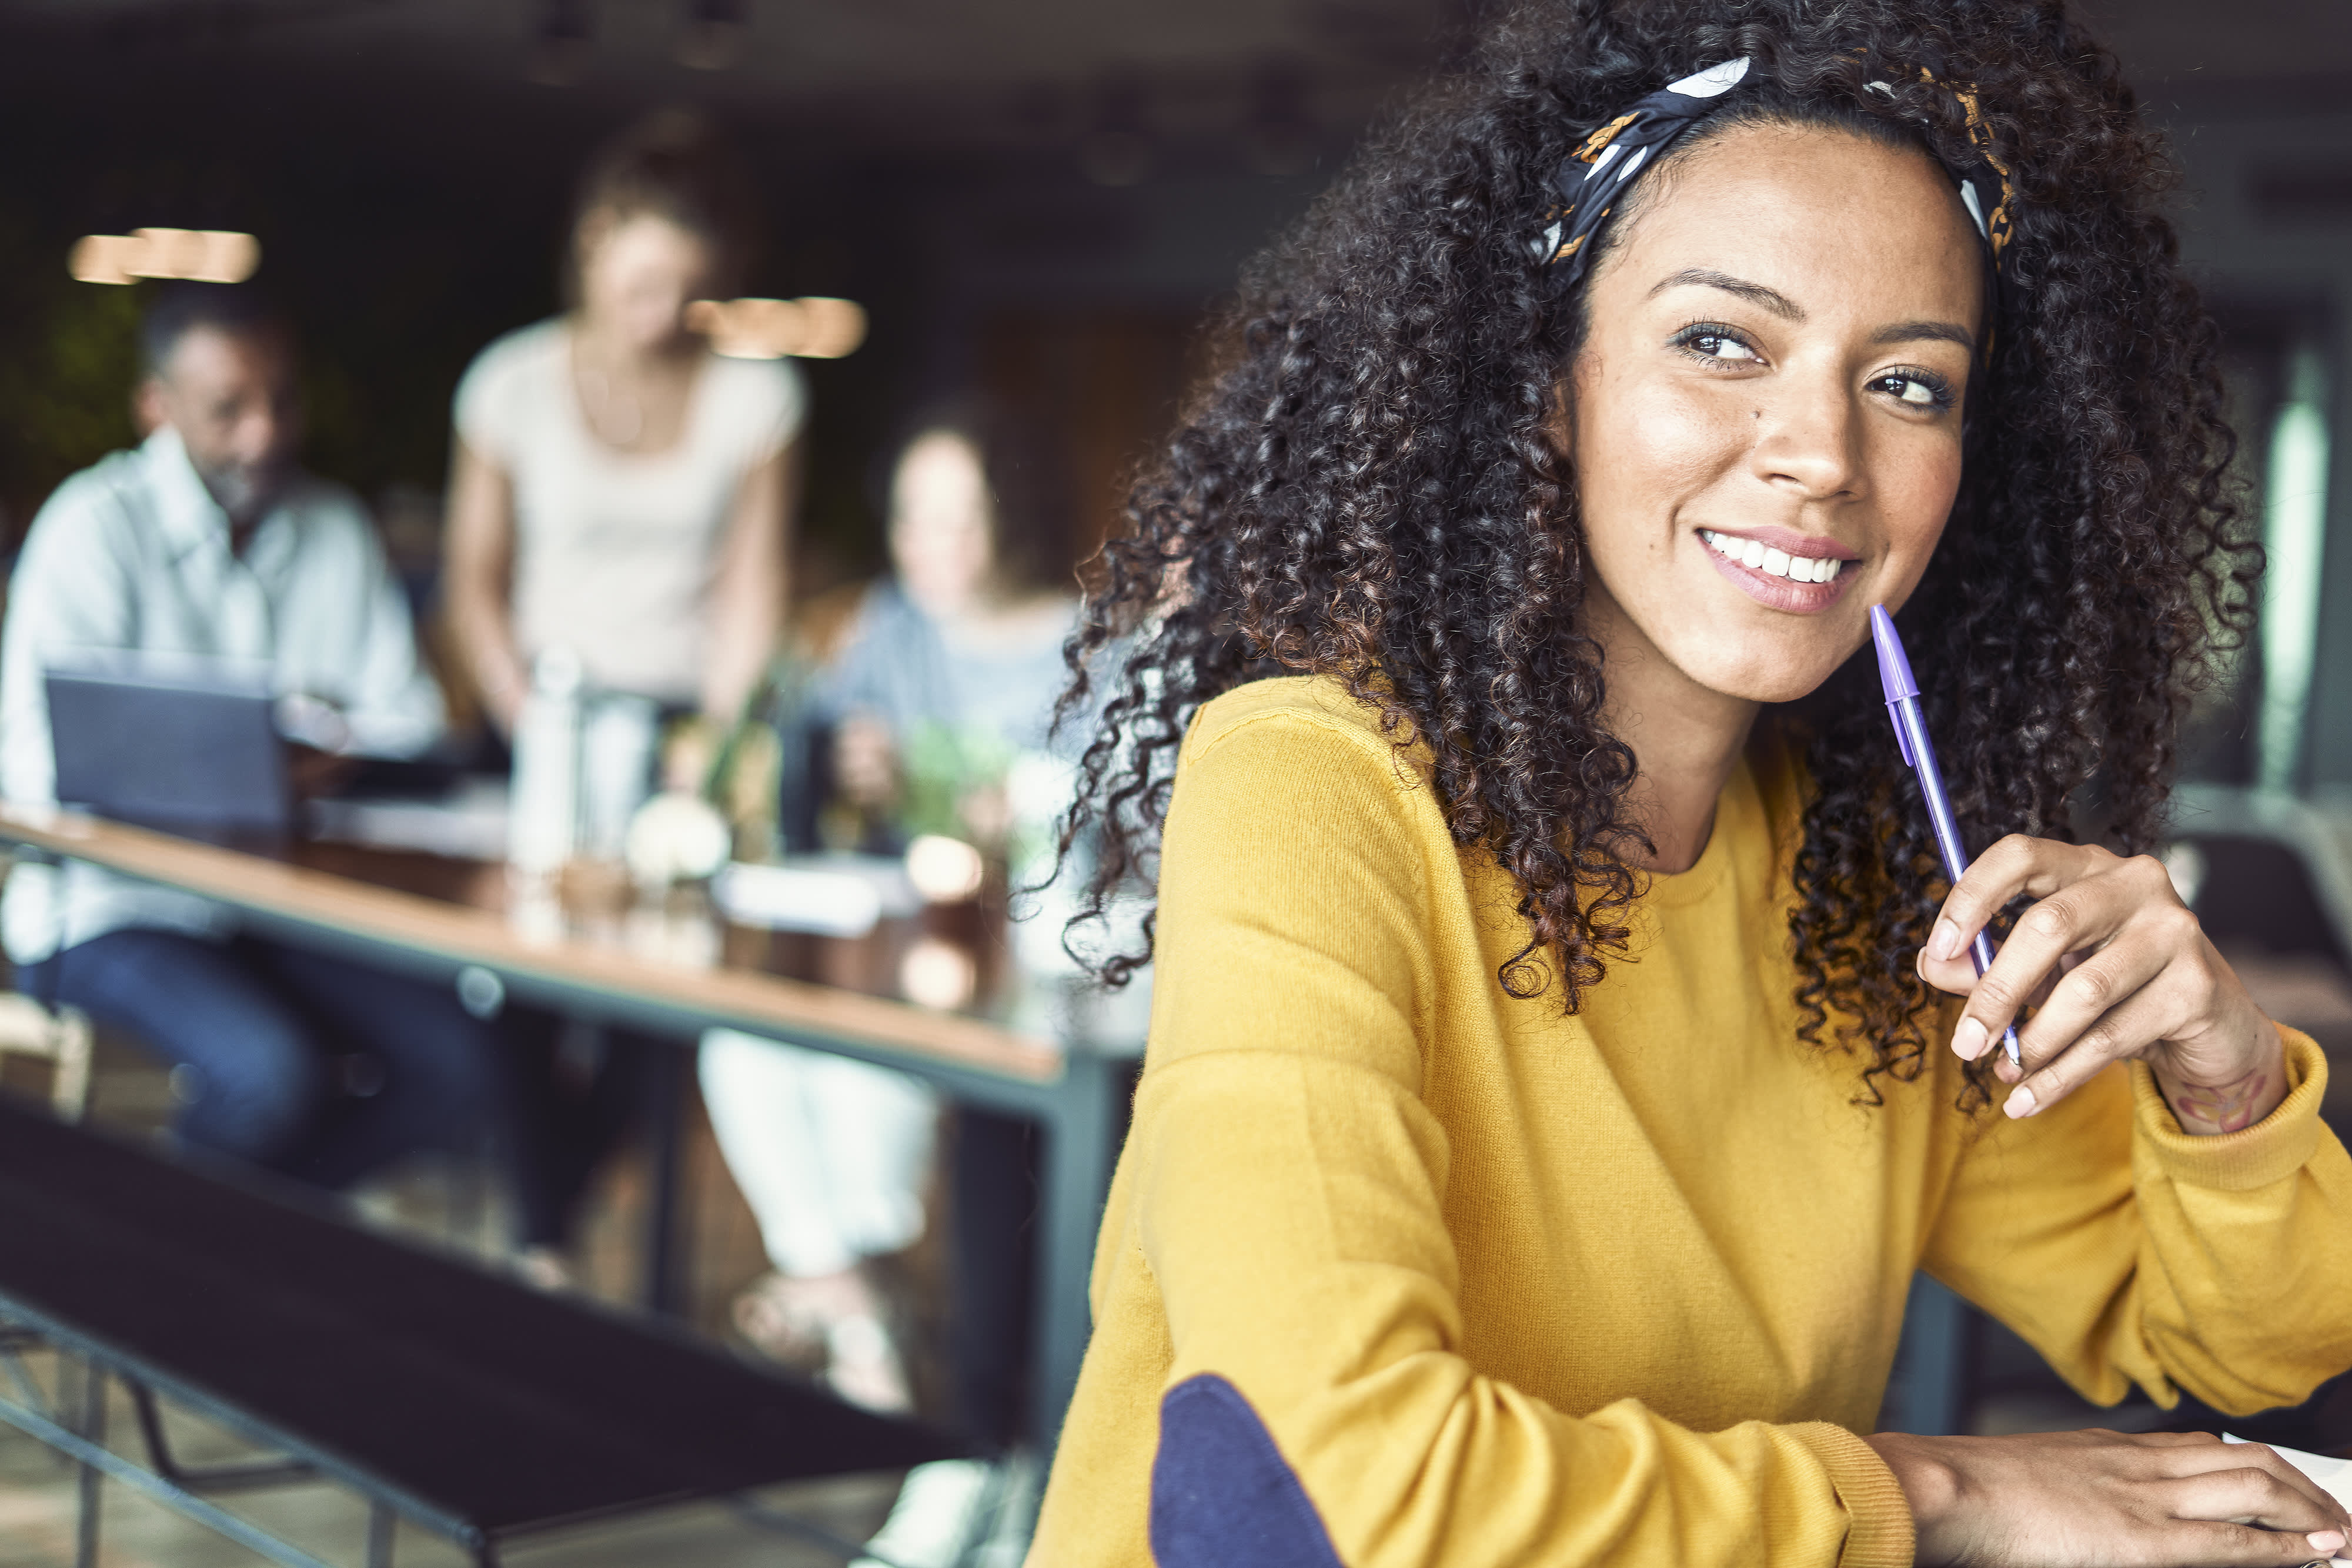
(2110,1499)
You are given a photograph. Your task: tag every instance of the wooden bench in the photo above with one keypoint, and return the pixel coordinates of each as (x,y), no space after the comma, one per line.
(468,1403)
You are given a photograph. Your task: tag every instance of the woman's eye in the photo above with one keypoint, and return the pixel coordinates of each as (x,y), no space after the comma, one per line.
(1718,345)
(1914,390)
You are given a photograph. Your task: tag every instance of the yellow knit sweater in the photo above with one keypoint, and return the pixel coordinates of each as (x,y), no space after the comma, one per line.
(1400,1270)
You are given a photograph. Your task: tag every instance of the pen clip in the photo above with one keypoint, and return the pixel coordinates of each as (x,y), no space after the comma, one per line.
(1895,677)
(1902,736)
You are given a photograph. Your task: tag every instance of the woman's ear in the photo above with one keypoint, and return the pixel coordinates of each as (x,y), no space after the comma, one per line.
(1559,416)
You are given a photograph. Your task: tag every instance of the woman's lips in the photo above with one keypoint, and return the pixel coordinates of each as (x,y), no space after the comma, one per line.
(1777,592)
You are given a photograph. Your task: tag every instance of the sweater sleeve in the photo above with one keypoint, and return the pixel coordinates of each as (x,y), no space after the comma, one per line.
(2127,1251)
(1290,1205)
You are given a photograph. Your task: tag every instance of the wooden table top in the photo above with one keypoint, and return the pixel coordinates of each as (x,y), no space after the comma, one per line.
(469,912)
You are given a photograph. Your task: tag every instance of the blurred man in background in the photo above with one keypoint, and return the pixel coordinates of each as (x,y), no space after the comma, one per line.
(209,544)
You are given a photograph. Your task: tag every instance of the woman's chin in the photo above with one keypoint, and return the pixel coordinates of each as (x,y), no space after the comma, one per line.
(1762,672)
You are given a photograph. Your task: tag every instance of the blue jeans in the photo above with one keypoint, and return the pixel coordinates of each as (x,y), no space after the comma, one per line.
(311,1066)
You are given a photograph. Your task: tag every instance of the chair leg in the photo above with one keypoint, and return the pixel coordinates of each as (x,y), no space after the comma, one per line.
(93,1428)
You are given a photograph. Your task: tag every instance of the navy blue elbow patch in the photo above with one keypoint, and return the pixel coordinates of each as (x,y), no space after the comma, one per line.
(1222,1494)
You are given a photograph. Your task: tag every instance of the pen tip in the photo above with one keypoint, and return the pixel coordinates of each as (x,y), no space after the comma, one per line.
(1894,675)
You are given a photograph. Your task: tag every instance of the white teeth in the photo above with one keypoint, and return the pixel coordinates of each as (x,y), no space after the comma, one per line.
(1753,553)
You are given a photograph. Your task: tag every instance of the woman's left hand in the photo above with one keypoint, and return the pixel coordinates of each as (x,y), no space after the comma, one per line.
(2116,967)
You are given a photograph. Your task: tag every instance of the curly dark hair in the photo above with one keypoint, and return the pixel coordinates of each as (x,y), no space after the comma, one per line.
(1367,490)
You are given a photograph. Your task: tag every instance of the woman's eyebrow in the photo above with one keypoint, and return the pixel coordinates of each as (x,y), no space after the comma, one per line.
(1772,299)
(1916,331)
(1781,305)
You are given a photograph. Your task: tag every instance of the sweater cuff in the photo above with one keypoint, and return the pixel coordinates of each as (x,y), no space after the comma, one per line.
(2271,1150)
(1878,1532)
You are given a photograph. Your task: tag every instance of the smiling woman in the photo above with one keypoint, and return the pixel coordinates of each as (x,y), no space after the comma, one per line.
(1793,404)
(1540,1129)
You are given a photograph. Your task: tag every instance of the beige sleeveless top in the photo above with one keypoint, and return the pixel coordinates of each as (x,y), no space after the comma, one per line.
(615,551)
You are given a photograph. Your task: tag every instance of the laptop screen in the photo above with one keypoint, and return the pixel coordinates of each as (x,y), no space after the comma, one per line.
(182,752)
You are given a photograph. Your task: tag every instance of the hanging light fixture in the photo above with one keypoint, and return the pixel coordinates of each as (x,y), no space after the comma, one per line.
(199,256)
(1279,136)
(560,44)
(814,328)
(1118,150)
(715,34)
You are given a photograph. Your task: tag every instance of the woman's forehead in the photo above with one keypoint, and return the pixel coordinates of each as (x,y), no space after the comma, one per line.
(642,230)
(1813,212)
(938,464)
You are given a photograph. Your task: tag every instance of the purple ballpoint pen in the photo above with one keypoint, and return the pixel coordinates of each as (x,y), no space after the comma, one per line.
(1902,691)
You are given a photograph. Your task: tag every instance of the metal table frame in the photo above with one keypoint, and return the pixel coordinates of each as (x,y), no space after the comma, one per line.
(1073,1102)
(80,1434)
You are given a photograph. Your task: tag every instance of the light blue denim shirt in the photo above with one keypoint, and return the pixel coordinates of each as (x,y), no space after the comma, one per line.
(133,556)
(898,664)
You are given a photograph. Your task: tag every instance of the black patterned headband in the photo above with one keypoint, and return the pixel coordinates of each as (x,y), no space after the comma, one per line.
(1590,180)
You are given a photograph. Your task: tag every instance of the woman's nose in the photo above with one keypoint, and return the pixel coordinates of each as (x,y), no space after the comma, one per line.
(1805,439)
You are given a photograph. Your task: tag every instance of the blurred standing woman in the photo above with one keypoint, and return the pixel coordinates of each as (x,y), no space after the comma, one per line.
(619,490)
(622,492)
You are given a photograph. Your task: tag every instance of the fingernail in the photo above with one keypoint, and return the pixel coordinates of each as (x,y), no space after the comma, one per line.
(2325,1540)
(2019,1102)
(1970,1039)
(1944,942)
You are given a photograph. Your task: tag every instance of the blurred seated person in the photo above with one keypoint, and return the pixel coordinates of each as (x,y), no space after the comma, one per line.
(958,654)
(208,541)
(948,669)
(621,493)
